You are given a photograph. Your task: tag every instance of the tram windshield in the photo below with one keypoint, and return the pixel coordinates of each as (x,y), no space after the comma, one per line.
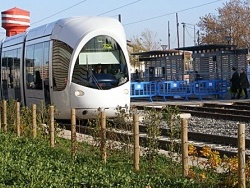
(101,64)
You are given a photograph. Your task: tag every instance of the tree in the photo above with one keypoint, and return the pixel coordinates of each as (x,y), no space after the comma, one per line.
(146,42)
(230,26)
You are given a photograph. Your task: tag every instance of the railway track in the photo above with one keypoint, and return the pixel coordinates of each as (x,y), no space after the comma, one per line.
(236,106)
(224,145)
(238,111)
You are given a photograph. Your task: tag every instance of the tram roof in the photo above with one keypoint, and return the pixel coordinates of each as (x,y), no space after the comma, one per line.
(208,47)
(77,26)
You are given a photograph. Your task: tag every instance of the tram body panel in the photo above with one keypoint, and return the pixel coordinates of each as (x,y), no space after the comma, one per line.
(61,101)
(40,32)
(78,27)
(92,102)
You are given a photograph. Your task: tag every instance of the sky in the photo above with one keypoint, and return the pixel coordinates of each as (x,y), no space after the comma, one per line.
(137,16)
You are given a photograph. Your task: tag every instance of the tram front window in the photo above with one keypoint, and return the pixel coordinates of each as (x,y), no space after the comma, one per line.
(101,64)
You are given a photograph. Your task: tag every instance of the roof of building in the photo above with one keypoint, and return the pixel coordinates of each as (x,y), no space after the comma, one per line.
(157,52)
(208,47)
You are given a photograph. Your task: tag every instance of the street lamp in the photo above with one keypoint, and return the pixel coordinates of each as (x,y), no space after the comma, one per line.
(184,26)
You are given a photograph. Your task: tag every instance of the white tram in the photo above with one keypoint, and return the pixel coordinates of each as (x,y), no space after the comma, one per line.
(77,62)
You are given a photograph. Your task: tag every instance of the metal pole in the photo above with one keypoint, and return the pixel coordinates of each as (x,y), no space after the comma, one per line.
(168,36)
(177,23)
(194,37)
(120,18)
(184,28)
(198,35)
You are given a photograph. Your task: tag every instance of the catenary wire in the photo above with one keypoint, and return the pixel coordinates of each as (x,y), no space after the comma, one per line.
(60,12)
(82,2)
(155,17)
(119,7)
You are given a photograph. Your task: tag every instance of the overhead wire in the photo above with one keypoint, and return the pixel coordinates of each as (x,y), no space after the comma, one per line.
(82,2)
(128,4)
(59,12)
(189,33)
(167,14)
(119,7)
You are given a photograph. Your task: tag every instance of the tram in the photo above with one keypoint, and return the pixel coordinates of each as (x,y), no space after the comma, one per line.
(76,62)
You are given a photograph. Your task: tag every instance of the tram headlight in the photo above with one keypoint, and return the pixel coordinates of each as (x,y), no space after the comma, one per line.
(125,91)
(79,93)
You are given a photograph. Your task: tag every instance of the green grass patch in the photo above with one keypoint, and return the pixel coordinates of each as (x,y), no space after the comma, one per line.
(27,162)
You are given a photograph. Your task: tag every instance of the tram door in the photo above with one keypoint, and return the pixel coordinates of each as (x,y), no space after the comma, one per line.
(36,77)
(11,75)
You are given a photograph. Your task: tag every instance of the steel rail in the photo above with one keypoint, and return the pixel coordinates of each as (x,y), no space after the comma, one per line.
(165,143)
(218,113)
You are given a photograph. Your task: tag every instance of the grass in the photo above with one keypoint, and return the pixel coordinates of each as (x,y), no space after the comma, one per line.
(27,162)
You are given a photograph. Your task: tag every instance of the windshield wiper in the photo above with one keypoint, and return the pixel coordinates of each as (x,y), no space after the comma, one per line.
(94,79)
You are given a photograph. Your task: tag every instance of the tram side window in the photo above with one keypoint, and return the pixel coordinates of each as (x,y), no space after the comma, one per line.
(5,74)
(16,72)
(36,70)
(46,54)
(60,65)
(8,69)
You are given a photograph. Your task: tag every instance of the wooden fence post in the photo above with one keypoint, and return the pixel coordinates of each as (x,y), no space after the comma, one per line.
(18,119)
(34,125)
(184,143)
(73,133)
(4,116)
(1,113)
(103,136)
(241,156)
(136,142)
(52,128)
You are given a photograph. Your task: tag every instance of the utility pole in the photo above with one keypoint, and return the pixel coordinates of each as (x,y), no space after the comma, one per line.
(184,58)
(198,35)
(184,28)
(168,36)
(178,38)
(119,17)
(194,36)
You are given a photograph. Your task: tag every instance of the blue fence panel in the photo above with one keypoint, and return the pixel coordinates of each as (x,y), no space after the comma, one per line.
(209,87)
(179,88)
(143,89)
(172,88)
(222,87)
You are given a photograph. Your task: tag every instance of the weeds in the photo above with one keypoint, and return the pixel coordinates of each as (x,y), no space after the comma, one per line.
(42,119)
(214,168)
(156,170)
